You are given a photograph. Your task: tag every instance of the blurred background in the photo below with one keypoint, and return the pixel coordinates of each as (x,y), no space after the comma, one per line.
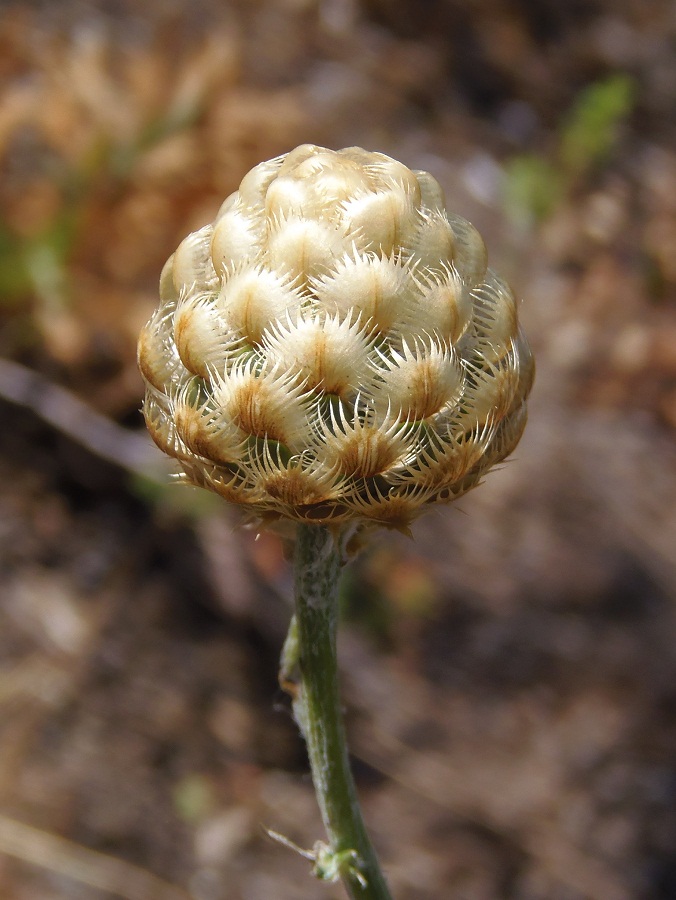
(510,674)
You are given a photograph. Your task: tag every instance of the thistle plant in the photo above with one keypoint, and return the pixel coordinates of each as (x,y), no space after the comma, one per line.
(333,354)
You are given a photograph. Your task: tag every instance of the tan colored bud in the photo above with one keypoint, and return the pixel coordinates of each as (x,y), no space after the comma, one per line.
(193,267)
(334,348)
(448,305)
(235,236)
(377,288)
(254,297)
(329,353)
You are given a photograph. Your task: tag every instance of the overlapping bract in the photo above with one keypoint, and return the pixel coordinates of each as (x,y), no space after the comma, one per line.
(333,347)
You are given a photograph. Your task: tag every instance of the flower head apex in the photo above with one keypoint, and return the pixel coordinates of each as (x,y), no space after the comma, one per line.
(333,347)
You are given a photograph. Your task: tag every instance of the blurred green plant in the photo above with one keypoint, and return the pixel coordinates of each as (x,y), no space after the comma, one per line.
(193,797)
(190,503)
(34,266)
(534,185)
(384,592)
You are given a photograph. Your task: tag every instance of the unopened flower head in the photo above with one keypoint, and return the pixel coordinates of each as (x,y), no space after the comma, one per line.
(334,347)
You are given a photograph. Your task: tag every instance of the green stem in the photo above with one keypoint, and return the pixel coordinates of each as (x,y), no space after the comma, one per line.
(311,648)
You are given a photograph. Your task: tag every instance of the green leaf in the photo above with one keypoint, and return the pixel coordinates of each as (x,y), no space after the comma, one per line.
(590,131)
(532,189)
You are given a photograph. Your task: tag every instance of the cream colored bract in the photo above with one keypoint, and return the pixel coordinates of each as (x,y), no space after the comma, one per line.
(333,347)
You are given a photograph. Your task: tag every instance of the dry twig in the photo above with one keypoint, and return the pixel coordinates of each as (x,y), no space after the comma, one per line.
(49,851)
(74,418)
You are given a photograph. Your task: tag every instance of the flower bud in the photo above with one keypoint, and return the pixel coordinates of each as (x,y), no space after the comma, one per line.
(334,347)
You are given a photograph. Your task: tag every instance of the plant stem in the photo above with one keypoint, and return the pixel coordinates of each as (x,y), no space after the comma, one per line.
(311,649)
